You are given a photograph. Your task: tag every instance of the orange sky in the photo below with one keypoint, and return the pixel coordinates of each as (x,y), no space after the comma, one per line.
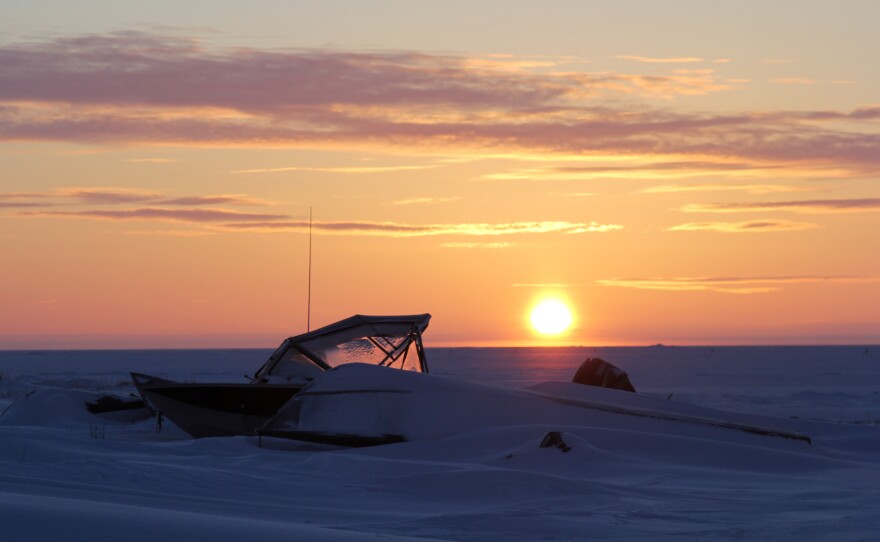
(693,177)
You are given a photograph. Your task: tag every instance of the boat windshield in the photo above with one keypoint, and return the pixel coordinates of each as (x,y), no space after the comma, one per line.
(390,341)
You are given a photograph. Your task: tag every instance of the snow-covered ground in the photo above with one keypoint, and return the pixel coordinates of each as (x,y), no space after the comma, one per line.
(475,470)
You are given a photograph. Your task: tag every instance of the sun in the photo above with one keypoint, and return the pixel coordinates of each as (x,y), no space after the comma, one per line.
(550,317)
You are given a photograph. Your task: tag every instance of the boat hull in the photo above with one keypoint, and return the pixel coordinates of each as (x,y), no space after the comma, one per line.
(217,410)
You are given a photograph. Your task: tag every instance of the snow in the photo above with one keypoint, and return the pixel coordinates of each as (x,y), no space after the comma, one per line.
(640,466)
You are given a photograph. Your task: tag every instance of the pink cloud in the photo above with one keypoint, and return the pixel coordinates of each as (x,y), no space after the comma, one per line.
(137,87)
(22,204)
(160,214)
(117,196)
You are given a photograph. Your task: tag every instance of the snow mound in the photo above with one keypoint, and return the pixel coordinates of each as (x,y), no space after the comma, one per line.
(52,408)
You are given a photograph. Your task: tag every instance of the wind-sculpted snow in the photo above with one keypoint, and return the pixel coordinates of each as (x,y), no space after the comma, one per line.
(638,466)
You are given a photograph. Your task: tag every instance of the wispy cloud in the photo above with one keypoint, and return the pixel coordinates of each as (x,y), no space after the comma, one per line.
(23,204)
(226,199)
(670,170)
(732,285)
(136,87)
(395,229)
(748,188)
(151,160)
(160,214)
(230,220)
(794,81)
(476,245)
(828,206)
(107,196)
(426,200)
(751,226)
(668,60)
(340,169)
(171,233)
(580,194)
(542,285)
(120,196)
(807,81)
(23,195)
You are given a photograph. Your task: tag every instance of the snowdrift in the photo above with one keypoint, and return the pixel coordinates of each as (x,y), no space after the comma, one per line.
(367,404)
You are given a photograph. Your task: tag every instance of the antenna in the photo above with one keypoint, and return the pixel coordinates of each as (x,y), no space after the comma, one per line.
(309,302)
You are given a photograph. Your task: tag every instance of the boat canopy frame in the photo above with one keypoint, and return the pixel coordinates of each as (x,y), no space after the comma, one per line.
(391,335)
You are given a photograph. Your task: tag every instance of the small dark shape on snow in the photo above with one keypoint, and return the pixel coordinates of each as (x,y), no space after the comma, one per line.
(553,439)
(598,372)
(109,403)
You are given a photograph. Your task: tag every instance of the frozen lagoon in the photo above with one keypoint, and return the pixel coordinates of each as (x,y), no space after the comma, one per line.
(69,474)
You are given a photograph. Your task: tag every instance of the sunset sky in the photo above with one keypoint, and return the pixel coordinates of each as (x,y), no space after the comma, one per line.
(675,172)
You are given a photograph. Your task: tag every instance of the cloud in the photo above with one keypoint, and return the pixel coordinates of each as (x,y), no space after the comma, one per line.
(542,285)
(751,226)
(23,195)
(229,220)
(580,194)
(341,169)
(107,196)
(794,81)
(829,206)
(808,82)
(151,160)
(226,199)
(732,285)
(394,229)
(171,233)
(749,188)
(668,170)
(121,196)
(424,200)
(476,245)
(672,60)
(160,214)
(132,87)
(23,204)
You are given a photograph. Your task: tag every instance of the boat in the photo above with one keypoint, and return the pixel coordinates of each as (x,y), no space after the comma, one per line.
(231,409)
(364,405)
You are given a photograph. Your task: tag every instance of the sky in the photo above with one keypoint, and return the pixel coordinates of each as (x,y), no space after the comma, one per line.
(673,172)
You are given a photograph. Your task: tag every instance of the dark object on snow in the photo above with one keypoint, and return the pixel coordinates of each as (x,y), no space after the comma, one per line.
(598,372)
(553,439)
(110,403)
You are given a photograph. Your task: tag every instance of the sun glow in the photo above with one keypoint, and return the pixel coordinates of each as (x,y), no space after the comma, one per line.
(550,317)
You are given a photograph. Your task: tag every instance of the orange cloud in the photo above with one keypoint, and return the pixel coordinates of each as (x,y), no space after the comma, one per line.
(671,60)
(341,169)
(749,188)
(424,200)
(394,229)
(751,226)
(476,245)
(732,285)
(830,206)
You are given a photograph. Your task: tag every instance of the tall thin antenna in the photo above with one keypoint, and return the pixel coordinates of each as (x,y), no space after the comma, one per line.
(309,303)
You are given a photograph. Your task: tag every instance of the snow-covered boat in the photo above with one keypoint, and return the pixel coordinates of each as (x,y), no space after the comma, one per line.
(227,409)
(360,405)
